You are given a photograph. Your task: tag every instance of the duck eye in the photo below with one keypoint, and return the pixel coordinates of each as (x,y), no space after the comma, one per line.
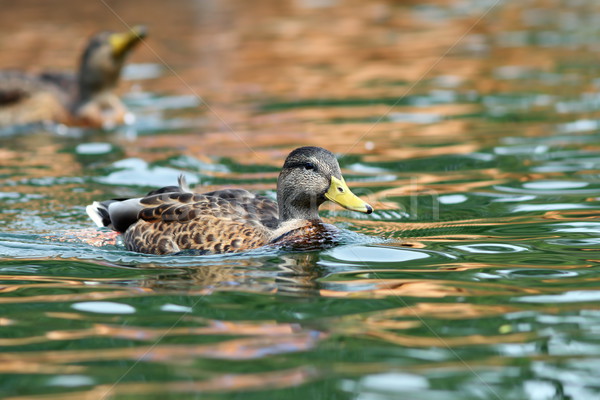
(309,166)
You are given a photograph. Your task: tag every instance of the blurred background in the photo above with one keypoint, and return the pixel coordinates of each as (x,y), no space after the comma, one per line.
(322,69)
(471,126)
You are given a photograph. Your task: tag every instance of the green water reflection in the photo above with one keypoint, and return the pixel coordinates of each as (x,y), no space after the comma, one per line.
(472,127)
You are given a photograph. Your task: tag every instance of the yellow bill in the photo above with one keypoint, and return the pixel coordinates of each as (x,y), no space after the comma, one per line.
(123,42)
(340,193)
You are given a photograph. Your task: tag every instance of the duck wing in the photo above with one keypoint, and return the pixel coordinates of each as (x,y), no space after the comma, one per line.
(212,223)
(261,208)
(65,81)
(172,219)
(16,85)
(26,98)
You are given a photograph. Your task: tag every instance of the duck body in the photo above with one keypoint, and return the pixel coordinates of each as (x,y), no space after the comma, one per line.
(83,99)
(217,222)
(26,98)
(173,219)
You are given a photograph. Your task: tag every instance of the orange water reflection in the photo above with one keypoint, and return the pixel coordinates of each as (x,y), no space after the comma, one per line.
(274,75)
(223,383)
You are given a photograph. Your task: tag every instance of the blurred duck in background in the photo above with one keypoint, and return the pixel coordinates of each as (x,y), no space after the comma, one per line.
(83,99)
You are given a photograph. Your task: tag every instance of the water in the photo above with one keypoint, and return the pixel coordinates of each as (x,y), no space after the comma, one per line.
(475,139)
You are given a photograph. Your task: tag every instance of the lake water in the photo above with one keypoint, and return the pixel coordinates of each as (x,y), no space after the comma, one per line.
(472,127)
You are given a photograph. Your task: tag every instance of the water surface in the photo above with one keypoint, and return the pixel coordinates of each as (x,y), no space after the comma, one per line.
(471,127)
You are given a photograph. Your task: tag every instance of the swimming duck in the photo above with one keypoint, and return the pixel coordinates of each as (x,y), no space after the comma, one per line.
(173,219)
(85,99)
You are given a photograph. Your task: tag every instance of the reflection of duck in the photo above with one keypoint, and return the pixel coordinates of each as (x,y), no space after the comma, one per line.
(293,273)
(172,219)
(85,99)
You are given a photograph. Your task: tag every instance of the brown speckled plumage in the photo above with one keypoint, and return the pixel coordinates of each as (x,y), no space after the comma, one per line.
(173,219)
(218,222)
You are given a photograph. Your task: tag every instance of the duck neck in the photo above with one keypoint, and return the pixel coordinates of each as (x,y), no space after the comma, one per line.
(88,89)
(95,80)
(297,208)
(293,213)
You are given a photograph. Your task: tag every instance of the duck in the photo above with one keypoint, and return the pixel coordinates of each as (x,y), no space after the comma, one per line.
(174,219)
(84,99)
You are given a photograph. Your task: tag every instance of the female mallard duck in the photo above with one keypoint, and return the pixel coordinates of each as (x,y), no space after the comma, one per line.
(87,99)
(173,218)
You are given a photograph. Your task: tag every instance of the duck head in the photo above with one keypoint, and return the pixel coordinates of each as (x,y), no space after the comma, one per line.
(309,177)
(103,60)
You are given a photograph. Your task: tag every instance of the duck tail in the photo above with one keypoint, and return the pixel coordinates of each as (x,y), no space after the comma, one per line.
(98,212)
(119,214)
(183,185)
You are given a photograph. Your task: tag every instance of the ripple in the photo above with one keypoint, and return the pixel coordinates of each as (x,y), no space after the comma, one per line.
(549,207)
(513,199)
(550,187)
(581,125)
(175,308)
(452,199)
(93,148)
(104,307)
(417,118)
(154,102)
(70,380)
(137,172)
(141,71)
(357,255)
(519,150)
(575,242)
(538,273)
(491,248)
(198,165)
(574,296)
(577,227)
(392,382)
